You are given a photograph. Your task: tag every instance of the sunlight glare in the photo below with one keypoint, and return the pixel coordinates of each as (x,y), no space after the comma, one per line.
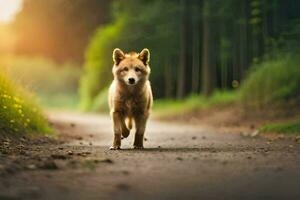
(8,9)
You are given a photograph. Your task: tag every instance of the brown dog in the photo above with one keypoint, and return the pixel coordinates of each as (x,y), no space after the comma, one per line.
(130,95)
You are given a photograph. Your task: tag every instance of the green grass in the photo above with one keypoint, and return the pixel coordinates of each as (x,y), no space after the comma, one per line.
(170,107)
(285,128)
(272,82)
(19,114)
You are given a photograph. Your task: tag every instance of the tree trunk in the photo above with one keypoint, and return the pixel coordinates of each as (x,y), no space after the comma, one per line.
(207,76)
(168,79)
(196,51)
(183,51)
(243,39)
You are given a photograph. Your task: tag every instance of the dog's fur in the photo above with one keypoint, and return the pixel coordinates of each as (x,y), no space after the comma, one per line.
(130,95)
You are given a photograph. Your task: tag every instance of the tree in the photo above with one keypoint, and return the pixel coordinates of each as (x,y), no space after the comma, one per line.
(207,67)
(183,50)
(196,56)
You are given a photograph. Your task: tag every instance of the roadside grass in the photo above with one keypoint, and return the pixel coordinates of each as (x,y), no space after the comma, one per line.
(292,128)
(171,107)
(19,113)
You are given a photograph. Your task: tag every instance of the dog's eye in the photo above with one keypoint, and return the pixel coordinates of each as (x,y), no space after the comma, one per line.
(125,69)
(137,69)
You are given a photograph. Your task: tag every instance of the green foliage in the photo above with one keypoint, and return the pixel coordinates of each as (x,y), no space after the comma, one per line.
(101,102)
(19,113)
(287,128)
(272,81)
(169,107)
(55,84)
(99,62)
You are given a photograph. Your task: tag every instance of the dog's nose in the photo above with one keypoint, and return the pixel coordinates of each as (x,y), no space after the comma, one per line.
(131,80)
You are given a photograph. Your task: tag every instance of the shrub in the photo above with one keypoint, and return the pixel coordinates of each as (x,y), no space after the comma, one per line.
(18,112)
(98,63)
(272,81)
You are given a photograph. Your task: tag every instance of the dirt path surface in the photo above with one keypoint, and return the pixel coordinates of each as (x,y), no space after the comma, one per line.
(180,162)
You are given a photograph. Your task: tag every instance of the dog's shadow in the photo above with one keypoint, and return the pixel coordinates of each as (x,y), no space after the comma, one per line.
(189,149)
(158,149)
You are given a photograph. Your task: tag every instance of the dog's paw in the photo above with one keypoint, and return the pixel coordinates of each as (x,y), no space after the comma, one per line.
(138,147)
(114,148)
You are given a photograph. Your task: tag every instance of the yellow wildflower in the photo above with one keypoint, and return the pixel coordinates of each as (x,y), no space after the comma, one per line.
(17,99)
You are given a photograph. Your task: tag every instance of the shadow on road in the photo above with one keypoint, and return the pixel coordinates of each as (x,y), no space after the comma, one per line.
(162,149)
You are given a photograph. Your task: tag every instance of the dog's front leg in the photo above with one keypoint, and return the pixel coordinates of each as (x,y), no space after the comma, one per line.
(117,126)
(140,122)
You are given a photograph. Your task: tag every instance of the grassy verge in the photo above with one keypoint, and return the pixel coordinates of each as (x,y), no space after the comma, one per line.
(292,128)
(171,107)
(19,114)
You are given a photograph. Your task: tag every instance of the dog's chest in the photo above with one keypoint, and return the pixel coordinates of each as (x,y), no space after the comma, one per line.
(130,104)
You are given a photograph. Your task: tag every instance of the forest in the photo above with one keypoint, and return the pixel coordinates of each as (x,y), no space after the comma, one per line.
(197,46)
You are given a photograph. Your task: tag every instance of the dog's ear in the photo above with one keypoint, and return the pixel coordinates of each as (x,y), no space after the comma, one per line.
(145,56)
(118,56)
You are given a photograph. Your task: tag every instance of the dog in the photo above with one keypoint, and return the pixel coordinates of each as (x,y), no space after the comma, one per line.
(130,96)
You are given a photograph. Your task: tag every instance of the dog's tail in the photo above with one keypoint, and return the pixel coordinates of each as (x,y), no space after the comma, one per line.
(129,123)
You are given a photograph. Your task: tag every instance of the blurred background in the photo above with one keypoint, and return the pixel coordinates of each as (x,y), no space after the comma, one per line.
(203,52)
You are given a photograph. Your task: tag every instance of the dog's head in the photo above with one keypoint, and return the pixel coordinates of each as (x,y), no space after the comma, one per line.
(131,68)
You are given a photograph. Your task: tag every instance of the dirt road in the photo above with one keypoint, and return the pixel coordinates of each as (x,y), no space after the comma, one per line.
(180,162)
